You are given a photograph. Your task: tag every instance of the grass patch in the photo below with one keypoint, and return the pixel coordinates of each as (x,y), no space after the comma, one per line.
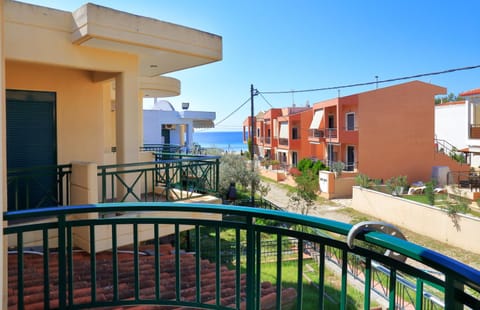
(310,282)
(462,255)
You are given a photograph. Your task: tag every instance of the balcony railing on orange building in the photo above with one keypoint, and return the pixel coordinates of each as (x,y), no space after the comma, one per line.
(283,141)
(328,133)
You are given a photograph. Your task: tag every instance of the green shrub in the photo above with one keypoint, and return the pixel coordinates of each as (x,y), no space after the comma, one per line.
(362,180)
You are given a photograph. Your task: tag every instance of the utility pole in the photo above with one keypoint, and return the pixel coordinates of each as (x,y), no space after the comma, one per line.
(253,93)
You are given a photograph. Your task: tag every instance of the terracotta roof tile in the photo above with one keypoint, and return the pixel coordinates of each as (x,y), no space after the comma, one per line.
(34,286)
(471,92)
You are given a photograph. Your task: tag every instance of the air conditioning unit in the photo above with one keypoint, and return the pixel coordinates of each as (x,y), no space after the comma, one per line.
(168,126)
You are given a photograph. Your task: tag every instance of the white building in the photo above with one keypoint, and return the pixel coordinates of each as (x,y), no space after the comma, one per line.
(162,124)
(448,117)
(471,124)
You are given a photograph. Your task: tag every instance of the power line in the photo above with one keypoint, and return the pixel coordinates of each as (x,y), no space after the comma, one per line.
(271,106)
(233,112)
(370,83)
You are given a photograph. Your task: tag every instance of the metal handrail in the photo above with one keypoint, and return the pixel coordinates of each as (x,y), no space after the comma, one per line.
(179,178)
(459,283)
(40,186)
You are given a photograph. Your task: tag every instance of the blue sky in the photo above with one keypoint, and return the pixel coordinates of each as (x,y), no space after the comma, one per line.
(279,45)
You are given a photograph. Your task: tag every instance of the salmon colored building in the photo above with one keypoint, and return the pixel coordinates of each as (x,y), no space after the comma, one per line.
(382,133)
(281,134)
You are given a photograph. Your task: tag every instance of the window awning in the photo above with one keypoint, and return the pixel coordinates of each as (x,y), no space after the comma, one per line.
(203,124)
(317,118)
(283,130)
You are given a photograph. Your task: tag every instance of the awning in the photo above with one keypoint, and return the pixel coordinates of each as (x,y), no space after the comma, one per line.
(203,124)
(317,118)
(468,150)
(283,130)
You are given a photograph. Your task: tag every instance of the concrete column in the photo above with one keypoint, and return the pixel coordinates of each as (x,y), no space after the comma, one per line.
(189,129)
(84,183)
(127,118)
(127,127)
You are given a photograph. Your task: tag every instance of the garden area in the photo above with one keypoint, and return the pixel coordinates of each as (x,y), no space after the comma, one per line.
(452,200)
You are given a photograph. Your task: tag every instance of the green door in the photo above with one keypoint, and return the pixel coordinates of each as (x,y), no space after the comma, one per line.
(31,144)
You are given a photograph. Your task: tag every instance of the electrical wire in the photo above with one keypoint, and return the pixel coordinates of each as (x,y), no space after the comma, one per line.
(370,83)
(271,106)
(231,113)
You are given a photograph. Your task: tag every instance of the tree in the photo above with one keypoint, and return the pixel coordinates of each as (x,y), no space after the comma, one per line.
(234,168)
(450,97)
(303,197)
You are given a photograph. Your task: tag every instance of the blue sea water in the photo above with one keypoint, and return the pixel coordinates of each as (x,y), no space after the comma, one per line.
(231,141)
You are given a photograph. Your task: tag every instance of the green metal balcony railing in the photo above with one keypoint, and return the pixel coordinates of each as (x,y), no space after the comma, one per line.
(37,187)
(312,241)
(178,178)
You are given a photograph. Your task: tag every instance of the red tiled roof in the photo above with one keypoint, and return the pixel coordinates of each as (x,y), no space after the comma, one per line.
(452,103)
(471,92)
(34,286)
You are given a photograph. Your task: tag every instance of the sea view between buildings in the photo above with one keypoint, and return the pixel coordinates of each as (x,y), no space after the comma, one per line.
(231,141)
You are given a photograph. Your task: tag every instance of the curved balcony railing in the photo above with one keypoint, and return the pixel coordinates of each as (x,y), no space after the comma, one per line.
(82,261)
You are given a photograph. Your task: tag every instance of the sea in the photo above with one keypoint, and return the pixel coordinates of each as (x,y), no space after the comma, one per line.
(230,141)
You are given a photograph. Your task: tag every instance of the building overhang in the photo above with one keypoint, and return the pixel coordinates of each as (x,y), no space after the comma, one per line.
(159,86)
(100,39)
(200,119)
(162,47)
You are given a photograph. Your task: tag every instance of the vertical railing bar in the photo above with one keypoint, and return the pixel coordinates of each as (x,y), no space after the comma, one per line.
(177,263)
(93,265)
(218,278)
(145,185)
(258,271)
(343,299)
(419,294)
(300,274)
(392,288)
(115,262)
(112,187)
(321,277)
(156,237)
(62,293)
(217,178)
(136,264)
(68,189)
(20,266)
(237,269)
(167,181)
(279,271)
(154,171)
(59,177)
(198,266)
(104,185)
(70,267)
(368,282)
(250,298)
(46,271)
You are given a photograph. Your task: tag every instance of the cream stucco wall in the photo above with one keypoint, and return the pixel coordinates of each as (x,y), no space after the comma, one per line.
(79,107)
(420,218)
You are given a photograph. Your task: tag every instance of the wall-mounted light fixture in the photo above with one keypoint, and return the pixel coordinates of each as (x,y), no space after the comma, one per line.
(185,105)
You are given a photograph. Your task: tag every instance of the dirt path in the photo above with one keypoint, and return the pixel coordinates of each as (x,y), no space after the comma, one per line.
(279,196)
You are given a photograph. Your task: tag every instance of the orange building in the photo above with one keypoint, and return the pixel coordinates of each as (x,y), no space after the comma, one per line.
(382,133)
